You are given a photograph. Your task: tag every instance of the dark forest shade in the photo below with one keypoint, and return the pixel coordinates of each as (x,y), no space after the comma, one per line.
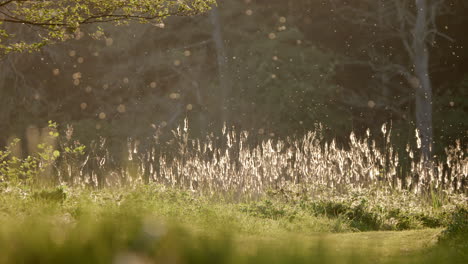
(276,67)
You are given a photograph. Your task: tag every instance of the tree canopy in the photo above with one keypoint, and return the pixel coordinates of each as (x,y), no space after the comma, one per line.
(27,25)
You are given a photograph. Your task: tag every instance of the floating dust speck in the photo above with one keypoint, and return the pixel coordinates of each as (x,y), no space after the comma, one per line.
(56,72)
(187,53)
(261,131)
(414,81)
(126,80)
(76,82)
(105,86)
(72,53)
(78,34)
(282,19)
(88,89)
(189,107)
(249,12)
(96,53)
(452,104)
(98,126)
(272,35)
(273,76)
(160,25)
(163,124)
(102,115)
(121,108)
(176,62)
(371,104)
(298,42)
(80,60)
(174,96)
(301,122)
(282,28)
(275,58)
(153,85)
(272,134)
(109,42)
(83,106)
(76,75)
(98,34)
(37,96)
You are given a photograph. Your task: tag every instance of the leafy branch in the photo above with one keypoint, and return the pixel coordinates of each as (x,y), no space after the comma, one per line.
(50,21)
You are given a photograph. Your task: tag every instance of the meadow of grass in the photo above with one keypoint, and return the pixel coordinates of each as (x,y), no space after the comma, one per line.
(221,201)
(156,224)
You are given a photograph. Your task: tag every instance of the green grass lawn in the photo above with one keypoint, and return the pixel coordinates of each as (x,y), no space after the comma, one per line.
(152,224)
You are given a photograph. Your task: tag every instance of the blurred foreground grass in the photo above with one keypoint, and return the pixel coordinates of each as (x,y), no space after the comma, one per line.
(153,224)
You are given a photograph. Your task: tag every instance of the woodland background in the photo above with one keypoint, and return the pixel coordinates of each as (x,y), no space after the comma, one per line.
(274,68)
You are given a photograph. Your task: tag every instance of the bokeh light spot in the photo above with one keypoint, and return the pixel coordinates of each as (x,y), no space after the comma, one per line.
(121,108)
(174,96)
(109,42)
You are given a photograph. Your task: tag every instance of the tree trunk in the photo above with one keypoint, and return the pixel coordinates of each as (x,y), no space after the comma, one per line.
(222,63)
(423,86)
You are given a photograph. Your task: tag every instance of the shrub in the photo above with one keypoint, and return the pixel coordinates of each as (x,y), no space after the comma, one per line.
(456,233)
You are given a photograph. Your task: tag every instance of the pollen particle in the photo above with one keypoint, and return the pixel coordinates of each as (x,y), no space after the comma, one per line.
(109,42)
(121,108)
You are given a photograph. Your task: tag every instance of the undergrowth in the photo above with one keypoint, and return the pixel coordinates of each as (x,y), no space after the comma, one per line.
(156,224)
(191,205)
